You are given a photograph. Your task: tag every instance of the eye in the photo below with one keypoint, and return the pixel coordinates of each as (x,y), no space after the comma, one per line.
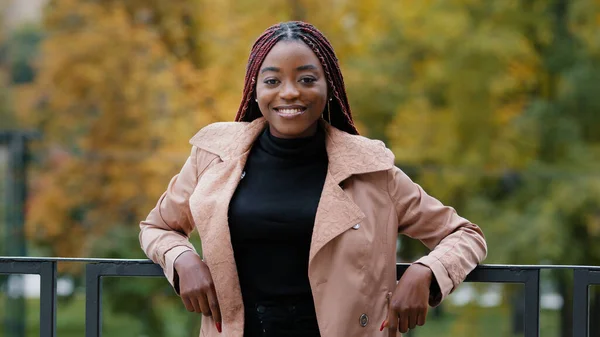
(308,80)
(271,81)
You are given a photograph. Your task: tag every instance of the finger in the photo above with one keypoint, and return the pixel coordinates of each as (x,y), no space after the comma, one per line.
(188,304)
(392,328)
(422,318)
(196,305)
(213,304)
(203,303)
(412,319)
(403,319)
(392,322)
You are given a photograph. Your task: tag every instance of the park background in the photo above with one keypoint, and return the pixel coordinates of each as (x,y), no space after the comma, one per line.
(492,106)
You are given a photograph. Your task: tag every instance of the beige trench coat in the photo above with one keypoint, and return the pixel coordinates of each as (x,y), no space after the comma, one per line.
(365,202)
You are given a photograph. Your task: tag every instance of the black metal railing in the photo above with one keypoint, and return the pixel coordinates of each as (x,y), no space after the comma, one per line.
(584,277)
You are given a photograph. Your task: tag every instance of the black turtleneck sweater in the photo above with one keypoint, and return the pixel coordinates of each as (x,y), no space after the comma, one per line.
(271,219)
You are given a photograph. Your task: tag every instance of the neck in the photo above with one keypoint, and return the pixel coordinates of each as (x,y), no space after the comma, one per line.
(311,131)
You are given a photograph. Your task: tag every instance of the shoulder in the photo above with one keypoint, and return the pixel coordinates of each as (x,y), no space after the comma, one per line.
(371,146)
(220,130)
(354,154)
(227,138)
(357,146)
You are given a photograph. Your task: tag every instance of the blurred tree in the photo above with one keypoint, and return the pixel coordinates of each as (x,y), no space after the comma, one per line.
(22,49)
(115,98)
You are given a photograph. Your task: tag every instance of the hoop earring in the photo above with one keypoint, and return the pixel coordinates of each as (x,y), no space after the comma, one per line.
(328,113)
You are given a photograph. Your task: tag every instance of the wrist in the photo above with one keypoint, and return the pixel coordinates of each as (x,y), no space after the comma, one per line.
(426,272)
(181,259)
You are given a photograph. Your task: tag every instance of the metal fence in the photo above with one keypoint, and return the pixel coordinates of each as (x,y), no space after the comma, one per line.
(529,276)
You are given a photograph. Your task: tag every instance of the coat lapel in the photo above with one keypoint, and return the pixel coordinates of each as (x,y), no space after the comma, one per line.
(209,205)
(336,213)
(348,155)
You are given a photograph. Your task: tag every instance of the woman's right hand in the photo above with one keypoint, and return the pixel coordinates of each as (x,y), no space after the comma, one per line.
(196,286)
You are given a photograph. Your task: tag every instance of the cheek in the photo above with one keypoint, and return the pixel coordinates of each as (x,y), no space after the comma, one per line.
(321,92)
(319,96)
(264,97)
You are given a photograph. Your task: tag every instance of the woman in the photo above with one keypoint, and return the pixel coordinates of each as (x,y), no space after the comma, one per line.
(298,215)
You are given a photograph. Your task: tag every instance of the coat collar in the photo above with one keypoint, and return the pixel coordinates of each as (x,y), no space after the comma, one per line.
(348,154)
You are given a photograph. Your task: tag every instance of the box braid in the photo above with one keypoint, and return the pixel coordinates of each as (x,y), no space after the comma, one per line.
(341,116)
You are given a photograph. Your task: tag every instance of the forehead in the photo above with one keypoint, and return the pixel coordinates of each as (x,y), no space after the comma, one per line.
(291,54)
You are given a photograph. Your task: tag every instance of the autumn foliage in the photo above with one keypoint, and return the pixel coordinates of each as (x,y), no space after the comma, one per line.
(491,105)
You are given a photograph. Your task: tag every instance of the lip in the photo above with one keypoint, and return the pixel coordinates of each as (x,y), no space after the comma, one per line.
(300,110)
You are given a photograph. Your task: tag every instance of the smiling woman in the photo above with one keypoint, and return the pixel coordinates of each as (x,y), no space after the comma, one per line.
(298,215)
(307,54)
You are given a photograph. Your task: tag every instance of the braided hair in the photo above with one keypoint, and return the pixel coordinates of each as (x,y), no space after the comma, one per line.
(341,116)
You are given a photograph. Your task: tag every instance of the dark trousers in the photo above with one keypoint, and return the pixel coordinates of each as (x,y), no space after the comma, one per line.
(273,319)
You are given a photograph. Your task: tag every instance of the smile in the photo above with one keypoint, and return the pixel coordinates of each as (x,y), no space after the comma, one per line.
(290,112)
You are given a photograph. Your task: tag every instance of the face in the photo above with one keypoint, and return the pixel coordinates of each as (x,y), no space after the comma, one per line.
(291,90)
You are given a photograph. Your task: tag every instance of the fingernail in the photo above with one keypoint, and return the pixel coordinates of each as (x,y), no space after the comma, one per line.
(218,325)
(382,325)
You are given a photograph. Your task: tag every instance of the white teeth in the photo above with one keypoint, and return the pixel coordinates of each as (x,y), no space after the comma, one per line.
(290,111)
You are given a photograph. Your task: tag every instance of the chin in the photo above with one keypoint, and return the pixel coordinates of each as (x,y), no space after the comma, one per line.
(292,130)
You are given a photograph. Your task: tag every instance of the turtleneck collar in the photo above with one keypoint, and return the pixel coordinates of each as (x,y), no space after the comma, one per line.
(294,148)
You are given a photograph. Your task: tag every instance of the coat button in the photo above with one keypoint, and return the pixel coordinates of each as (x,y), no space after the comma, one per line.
(357,226)
(364,320)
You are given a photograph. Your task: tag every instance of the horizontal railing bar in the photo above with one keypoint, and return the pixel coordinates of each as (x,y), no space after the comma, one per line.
(594,277)
(512,275)
(21,267)
(146,261)
(116,269)
(482,274)
(73,259)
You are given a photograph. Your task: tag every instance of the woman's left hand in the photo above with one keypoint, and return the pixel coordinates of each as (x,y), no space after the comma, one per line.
(409,303)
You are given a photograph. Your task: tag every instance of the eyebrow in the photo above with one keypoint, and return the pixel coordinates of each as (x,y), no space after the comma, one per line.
(300,68)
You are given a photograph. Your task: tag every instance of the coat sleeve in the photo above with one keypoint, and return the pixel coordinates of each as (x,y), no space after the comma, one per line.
(456,244)
(164,235)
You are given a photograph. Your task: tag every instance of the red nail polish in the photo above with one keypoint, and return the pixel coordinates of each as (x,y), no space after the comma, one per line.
(218,325)
(382,326)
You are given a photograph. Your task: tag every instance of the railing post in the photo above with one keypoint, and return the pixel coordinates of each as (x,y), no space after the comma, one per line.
(580,303)
(93,303)
(48,299)
(532,303)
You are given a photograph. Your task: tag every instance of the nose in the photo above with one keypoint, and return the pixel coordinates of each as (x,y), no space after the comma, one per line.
(289,91)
